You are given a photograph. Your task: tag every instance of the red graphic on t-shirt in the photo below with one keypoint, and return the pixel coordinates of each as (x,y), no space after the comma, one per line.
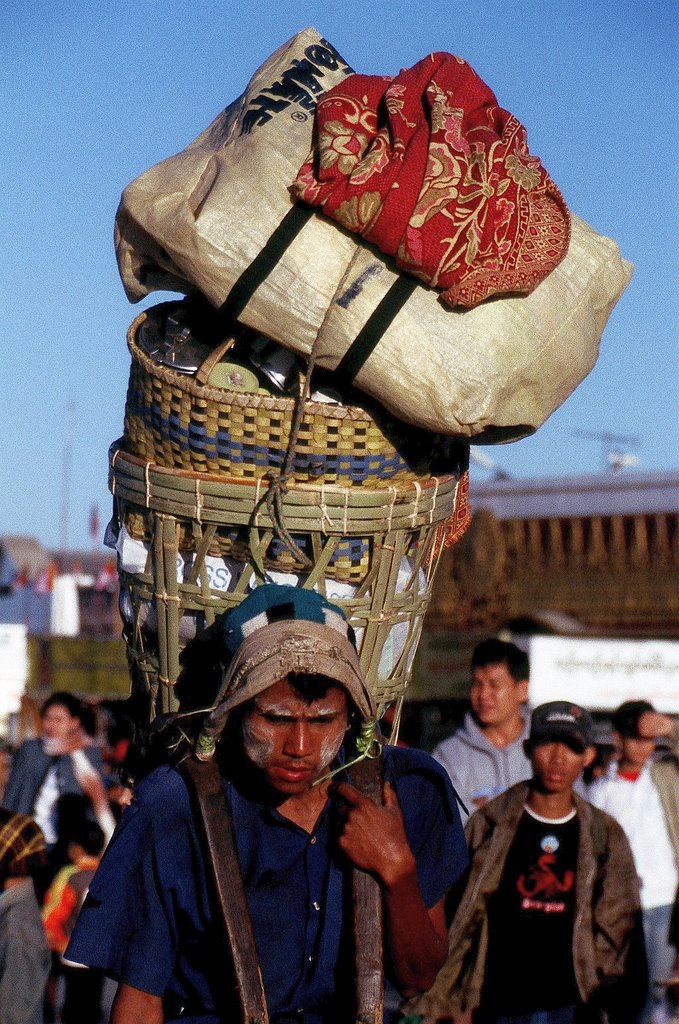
(541,884)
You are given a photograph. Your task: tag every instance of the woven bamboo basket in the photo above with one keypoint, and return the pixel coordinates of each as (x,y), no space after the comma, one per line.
(174,420)
(174,588)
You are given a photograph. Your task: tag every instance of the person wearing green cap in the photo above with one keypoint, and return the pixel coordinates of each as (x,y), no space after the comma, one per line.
(287,715)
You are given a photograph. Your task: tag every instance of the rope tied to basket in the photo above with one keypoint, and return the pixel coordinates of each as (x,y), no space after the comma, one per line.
(279,482)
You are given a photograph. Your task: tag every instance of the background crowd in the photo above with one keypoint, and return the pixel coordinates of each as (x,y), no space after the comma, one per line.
(629,769)
(570,907)
(62,797)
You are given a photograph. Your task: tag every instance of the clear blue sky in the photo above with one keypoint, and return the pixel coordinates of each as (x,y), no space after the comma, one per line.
(93,94)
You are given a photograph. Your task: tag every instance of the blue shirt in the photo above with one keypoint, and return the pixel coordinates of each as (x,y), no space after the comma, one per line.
(147,919)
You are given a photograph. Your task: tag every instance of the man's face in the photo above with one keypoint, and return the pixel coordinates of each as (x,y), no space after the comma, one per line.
(556,766)
(59,725)
(291,741)
(496,698)
(634,751)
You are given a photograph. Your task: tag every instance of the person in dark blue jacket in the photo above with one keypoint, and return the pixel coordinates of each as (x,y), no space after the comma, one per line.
(62,762)
(291,700)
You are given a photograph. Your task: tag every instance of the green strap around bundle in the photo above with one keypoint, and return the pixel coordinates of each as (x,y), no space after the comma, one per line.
(377,323)
(256,273)
(262,265)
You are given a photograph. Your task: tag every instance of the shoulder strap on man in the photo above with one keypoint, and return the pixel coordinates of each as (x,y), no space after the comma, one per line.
(205,782)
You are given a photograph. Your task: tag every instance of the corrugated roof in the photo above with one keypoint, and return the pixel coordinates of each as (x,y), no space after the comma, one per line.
(601,494)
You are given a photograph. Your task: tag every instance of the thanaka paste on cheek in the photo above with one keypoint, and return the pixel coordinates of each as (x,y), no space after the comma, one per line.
(330,748)
(258,743)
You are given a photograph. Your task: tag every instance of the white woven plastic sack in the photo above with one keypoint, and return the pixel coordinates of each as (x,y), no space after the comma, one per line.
(218,218)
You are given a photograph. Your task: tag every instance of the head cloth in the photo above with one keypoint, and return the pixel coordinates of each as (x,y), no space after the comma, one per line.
(277,630)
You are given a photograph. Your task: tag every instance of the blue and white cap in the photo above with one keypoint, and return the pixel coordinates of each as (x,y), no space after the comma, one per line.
(274,602)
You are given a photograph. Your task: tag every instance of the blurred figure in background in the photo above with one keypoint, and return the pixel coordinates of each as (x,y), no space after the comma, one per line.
(24,956)
(641,790)
(65,897)
(63,761)
(673,980)
(485,755)
(606,753)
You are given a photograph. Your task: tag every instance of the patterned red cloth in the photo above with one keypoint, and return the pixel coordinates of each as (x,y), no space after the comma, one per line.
(432,171)
(461,519)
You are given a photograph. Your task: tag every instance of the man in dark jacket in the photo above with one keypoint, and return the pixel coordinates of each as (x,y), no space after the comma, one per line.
(292,708)
(549,924)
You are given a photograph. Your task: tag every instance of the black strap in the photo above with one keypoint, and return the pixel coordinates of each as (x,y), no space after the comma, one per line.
(256,273)
(377,323)
(206,783)
(264,262)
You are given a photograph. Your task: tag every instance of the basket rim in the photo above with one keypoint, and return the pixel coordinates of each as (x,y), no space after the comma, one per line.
(421,484)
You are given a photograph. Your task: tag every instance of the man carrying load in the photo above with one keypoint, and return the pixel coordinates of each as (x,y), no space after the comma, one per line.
(291,711)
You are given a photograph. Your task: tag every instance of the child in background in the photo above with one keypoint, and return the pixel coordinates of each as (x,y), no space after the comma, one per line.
(64,898)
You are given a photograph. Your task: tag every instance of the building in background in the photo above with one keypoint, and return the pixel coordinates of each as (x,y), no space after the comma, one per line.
(588,558)
(59,625)
(581,570)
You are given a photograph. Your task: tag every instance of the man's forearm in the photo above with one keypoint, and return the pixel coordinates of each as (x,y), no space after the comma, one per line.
(374,839)
(417,937)
(131,1006)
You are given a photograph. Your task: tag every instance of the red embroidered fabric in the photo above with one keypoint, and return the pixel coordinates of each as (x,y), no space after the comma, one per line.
(460,521)
(432,171)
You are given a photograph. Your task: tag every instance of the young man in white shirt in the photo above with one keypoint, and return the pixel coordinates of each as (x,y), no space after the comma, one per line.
(641,790)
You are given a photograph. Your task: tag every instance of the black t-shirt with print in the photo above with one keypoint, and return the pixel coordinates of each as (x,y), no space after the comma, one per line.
(530,921)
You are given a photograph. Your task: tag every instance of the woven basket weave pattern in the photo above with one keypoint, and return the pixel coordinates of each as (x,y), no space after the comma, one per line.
(349,562)
(376,532)
(172,420)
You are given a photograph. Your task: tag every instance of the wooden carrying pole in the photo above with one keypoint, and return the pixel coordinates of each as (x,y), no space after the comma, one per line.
(367,907)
